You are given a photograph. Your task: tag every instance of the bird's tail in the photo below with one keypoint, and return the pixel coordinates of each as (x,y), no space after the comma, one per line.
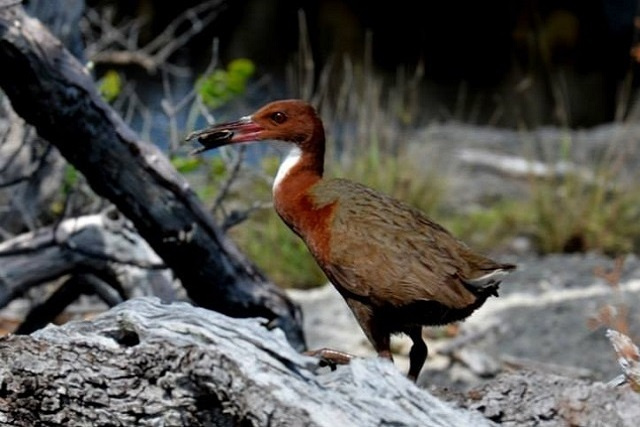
(487,283)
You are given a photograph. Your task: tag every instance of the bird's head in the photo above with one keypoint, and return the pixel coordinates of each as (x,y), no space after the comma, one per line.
(293,121)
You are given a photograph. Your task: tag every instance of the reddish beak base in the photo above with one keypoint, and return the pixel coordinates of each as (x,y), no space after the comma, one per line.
(242,130)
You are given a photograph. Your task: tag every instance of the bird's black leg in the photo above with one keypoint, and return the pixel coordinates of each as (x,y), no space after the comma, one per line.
(418,353)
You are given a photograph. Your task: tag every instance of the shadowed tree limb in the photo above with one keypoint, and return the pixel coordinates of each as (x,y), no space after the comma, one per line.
(77,285)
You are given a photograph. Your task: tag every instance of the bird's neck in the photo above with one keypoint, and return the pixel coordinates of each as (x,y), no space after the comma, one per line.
(300,171)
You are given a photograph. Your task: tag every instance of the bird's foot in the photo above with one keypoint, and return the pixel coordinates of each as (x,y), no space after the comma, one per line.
(329,357)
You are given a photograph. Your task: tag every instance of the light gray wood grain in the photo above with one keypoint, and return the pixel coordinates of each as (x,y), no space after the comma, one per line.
(148,363)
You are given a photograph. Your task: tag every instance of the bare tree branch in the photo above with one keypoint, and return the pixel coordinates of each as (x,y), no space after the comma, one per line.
(153,55)
(9,3)
(28,175)
(232,175)
(68,292)
(238,216)
(191,99)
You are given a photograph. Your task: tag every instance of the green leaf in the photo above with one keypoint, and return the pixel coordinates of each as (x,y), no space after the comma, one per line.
(218,167)
(70,177)
(242,67)
(185,164)
(221,86)
(110,85)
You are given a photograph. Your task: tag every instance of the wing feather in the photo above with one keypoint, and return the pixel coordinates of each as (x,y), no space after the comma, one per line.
(391,253)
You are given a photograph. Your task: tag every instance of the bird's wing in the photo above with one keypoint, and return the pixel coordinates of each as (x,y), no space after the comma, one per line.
(391,253)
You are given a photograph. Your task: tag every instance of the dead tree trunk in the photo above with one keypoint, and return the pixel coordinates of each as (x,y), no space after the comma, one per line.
(147,363)
(54,93)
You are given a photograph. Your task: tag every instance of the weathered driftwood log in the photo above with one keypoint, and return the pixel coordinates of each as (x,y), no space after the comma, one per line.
(147,363)
(54,93)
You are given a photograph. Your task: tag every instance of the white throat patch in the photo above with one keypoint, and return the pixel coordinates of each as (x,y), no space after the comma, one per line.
(289,162)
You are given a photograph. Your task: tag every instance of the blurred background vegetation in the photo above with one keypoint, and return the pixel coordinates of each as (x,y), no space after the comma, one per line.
(379,74)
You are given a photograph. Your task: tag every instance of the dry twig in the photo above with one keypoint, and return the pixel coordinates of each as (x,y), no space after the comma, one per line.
(628,358)
(120,45)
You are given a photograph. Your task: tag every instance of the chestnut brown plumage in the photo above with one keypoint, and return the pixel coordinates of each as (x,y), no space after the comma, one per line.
(396,269)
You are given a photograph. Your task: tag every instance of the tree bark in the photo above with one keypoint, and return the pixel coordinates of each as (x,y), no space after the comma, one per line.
(148,363)
(54,93)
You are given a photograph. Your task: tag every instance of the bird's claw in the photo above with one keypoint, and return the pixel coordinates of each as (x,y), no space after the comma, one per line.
(329,357)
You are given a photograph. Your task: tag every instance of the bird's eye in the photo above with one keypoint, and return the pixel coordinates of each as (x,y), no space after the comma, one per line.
(279,117)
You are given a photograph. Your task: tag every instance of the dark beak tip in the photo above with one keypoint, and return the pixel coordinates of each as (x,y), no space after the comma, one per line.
(191,136)
(209,139)
(222,135)
(210,135)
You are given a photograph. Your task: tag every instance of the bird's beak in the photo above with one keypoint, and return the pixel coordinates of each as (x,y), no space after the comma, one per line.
(242,130)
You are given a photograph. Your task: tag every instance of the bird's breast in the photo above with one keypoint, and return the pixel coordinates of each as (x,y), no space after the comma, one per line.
(309,218)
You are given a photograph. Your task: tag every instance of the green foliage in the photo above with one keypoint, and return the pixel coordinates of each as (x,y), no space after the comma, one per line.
(394,174)
(221,86)
(217,167)
(71,176)
(69,181)
(488,228)
(268,242)
(575,214)
(186,164)
(270,165)
(568,214)
(206,174)
(276,250)
(110,85)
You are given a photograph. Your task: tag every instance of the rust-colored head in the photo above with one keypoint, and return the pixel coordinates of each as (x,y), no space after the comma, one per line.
(290,120)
